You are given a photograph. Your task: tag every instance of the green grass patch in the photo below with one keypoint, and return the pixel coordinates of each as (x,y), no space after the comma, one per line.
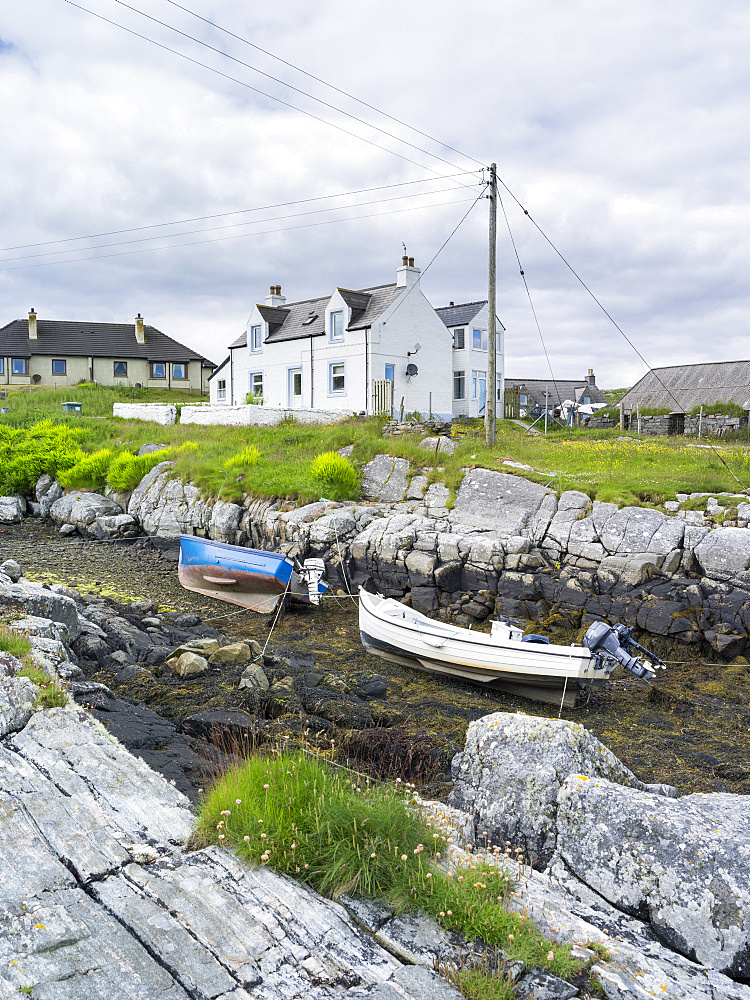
(248,456)
(15,644)
(127,470)
(720,409)
(51,695)
(89,472)
(336,476)
(320,826)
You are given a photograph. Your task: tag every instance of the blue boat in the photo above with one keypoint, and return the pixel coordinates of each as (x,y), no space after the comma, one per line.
(250,578)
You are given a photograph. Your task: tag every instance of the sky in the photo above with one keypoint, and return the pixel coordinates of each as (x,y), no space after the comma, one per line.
(621,127)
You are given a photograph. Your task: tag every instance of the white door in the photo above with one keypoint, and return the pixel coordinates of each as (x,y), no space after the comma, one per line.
(295,388)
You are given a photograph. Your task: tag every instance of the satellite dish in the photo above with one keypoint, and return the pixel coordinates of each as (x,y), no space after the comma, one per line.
(411,371)
(36,378)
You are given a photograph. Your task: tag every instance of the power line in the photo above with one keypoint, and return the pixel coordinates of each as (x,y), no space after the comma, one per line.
(270,97)
(238,236)
(325,83)
(283,83)
(231,225)
(239,211)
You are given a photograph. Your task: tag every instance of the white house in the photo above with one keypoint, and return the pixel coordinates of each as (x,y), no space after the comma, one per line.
(338,351)
(468,325)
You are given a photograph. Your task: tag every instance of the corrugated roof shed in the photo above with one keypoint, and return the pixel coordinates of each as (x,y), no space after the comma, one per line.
(683,387)
(95,340)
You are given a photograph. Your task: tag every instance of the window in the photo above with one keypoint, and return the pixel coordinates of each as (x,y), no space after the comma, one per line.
(59,366)
(459,385)
(458,341)
(499,395)
(255,383)
(158,369)
(336,377)
(19,366)
(179,370)
(337,325)
(2,366)
(256,340)
(121,368)
(523,399)
(221,389)
(586,400)
(479,340)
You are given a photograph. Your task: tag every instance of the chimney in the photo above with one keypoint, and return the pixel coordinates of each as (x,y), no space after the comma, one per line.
(407,275)
(274,297)
(32,325)
(140,336)
(590,377)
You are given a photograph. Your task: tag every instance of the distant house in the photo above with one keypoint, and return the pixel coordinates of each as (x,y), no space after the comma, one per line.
(362,350)
(682,388)
(536,392)
(468,325)
(63,352)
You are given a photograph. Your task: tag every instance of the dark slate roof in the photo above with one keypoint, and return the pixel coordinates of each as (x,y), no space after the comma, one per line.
(559,390)
(97,340)
(241,341)
(217,370)
(460,314)
(684,386)
(379,300)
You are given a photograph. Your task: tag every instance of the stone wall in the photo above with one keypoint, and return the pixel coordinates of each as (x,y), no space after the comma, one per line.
(247,416)
(157,413)
(713,424)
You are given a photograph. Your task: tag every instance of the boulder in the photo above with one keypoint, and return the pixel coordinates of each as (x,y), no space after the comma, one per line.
(439,444)
(51,495)
(17,697)
(236,654)
(112,526)
(32,599)
(82,509)
(384,478)
(188,665)
(682,864)
(253,678)
(12,509)
(511,769)
(724,554)
(632,530)
(12,569)
(496,501)
(205,647)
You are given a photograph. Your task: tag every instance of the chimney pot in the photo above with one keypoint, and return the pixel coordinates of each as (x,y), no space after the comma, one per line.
(278,289)
(590,377)
(405,261)
(411,262)
(32,325)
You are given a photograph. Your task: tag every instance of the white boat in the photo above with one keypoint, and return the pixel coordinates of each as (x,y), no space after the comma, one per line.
(530,666)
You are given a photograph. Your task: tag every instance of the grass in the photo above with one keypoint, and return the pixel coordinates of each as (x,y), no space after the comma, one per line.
(51,695)
(294,814)
(222,459)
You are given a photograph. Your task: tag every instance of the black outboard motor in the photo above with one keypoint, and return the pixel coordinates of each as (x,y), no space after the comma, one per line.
(614,643)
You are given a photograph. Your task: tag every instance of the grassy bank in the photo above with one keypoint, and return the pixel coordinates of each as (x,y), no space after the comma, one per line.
(279,461)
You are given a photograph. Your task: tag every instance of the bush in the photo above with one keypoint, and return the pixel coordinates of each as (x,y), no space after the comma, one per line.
(336,474)
(89,472)
(25,453)
(127,470)
(248,456)
(254,398)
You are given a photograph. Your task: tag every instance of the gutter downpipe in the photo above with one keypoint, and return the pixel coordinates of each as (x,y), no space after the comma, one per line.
(312,375)
(367,372)
(231,378)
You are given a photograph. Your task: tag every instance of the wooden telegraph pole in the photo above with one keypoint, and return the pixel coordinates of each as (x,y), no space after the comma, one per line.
(490,406)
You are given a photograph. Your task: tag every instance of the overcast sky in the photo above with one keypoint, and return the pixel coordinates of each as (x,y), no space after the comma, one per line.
(621,126)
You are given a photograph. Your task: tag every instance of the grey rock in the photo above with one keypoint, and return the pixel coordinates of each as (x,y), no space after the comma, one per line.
(188,665)
(509,773)
(417,486)
(68,529)
(538,985)
(420,567)
(59,588)
(339,524)
(224,522)
(205,647)
(236,654)
(496,501)
(17,697)
(44,628)
(436,496)
(632,530)
(253,678)
(419,940)
(52,494)
(12,509)
(82,509)
(150,448)
(724,554)
(570,508)
(12,569)
(440,444)
(43,484)
(32,599)
(111,526)
(384,478)
(684,864)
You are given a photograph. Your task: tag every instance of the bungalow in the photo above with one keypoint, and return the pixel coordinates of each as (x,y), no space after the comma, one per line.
(369,350)
(468,325)
(534,393)
(63,352)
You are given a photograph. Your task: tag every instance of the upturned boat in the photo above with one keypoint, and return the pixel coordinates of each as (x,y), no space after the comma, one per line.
(250,578)
(527,665)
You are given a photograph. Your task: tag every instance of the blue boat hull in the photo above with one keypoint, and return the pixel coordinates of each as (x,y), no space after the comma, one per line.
(250,578)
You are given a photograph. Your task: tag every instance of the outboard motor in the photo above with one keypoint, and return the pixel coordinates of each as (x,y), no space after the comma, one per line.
(311,573)
(614,643)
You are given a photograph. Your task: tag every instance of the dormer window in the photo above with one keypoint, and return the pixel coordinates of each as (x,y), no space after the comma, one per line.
(256,339)
(458,341)
(336,329)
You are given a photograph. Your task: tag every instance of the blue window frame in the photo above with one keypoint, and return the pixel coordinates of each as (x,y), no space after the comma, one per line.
(337,378)
(336,330)
(59,366)
(390,373)
(256,340)
(255,383)
(2,366)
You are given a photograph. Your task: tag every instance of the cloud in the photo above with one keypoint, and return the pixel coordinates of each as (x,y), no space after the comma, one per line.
(620,127)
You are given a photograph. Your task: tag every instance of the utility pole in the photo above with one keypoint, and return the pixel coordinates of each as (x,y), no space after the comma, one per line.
(491,396)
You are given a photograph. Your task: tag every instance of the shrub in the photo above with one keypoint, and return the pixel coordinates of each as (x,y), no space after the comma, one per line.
(127,470)
(248,456)
(25,453)
(336,474)
(254,398)
(89,472)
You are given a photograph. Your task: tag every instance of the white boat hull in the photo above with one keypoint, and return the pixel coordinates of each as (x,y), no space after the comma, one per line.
(544,672)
